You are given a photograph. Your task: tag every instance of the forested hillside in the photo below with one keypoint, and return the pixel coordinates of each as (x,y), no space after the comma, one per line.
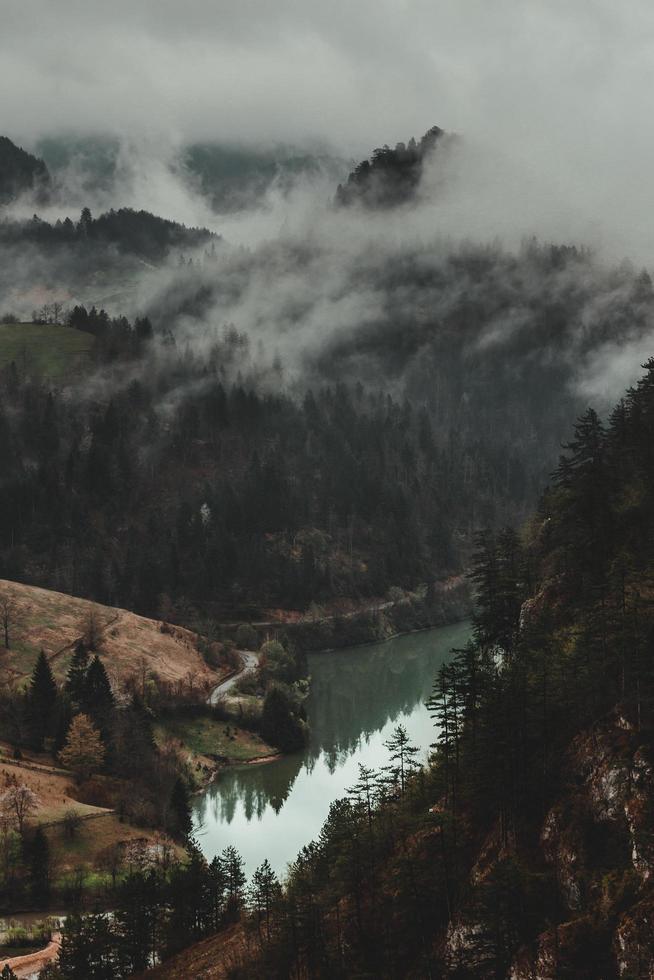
(230,176)
(127,231)
(524,848)
(390,177)
(499,348)
(209,471)
(160,481)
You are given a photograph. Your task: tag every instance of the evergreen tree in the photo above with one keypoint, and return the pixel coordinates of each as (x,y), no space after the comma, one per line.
(180,806)
(403,757)
(97,697)
(76,678)
(217,886)
(264,895)
(235,878)
(138,915)
(41,701)
(38,855)
(89,948)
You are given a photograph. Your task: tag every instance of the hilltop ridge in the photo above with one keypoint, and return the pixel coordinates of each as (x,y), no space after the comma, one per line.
(20,171)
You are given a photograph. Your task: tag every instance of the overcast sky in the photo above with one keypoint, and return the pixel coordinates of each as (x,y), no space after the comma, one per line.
(354,72)
(561,89)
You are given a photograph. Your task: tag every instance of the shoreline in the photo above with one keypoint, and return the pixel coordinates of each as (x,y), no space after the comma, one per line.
(391,636)
(277,756)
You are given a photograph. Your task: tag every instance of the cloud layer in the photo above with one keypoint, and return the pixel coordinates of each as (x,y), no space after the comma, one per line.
(543,71)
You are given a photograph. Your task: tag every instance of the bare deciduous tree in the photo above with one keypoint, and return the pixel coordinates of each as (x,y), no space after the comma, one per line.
(19,802)
(7,616)
(92,629)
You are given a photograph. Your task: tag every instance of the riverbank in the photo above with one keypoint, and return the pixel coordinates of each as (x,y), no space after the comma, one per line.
(441,603)
(24,966)
(357,697)
(447,603)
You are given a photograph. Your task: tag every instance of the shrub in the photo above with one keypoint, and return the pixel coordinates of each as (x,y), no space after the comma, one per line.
(282,722)
(247,637)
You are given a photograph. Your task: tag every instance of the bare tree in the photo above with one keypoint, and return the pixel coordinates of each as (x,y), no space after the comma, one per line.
(7,616)
(92,629)
(57,310)
(19,802)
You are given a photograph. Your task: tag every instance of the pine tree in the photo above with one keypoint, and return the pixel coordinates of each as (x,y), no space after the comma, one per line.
(234,877)
(89,948)
(137,913)
(41,701)
(403,761)
(217,886)
(180,806)
(263,897)
(97,698)
(76,677)
(39,868)
(366,792)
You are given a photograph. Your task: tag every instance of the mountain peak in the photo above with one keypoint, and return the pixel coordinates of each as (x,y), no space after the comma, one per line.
(391,176)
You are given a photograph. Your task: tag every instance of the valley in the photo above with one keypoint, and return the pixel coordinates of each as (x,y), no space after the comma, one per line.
(326,492)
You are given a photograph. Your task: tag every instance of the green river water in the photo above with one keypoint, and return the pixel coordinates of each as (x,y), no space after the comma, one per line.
(358,696)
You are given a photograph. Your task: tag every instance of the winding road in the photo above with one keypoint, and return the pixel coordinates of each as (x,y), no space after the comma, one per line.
(249,661)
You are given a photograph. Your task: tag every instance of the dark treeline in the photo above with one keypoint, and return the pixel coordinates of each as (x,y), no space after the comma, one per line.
(158,909)
(158,482)
(126,230)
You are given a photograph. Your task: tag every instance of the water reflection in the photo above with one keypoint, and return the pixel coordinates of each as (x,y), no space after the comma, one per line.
(357,698)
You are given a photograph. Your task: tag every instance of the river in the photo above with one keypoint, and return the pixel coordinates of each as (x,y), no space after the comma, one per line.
(358,696)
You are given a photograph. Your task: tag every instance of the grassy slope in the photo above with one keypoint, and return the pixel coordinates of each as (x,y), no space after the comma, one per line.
(43,349)
(205,738)
(130,645)
(99,829)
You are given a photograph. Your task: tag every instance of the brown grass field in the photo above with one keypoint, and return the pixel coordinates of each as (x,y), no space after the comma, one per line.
(130,646)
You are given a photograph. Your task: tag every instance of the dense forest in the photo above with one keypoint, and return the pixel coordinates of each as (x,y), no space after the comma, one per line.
(524,848)
(498,347)
(184,488)
(126,231)
(209,471)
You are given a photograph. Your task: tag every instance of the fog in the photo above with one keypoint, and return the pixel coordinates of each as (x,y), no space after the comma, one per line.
(559,91)
(550,101)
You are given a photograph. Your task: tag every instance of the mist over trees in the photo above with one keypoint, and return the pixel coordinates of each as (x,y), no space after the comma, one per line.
(20,173)
(390,177)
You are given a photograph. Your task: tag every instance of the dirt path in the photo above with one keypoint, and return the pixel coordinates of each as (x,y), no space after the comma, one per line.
(249,662)
(30,965)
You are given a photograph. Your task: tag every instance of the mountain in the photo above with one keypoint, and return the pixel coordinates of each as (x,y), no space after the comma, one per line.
(20,172)
(231,176)
(235,177)
(390,177)
(97,261)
